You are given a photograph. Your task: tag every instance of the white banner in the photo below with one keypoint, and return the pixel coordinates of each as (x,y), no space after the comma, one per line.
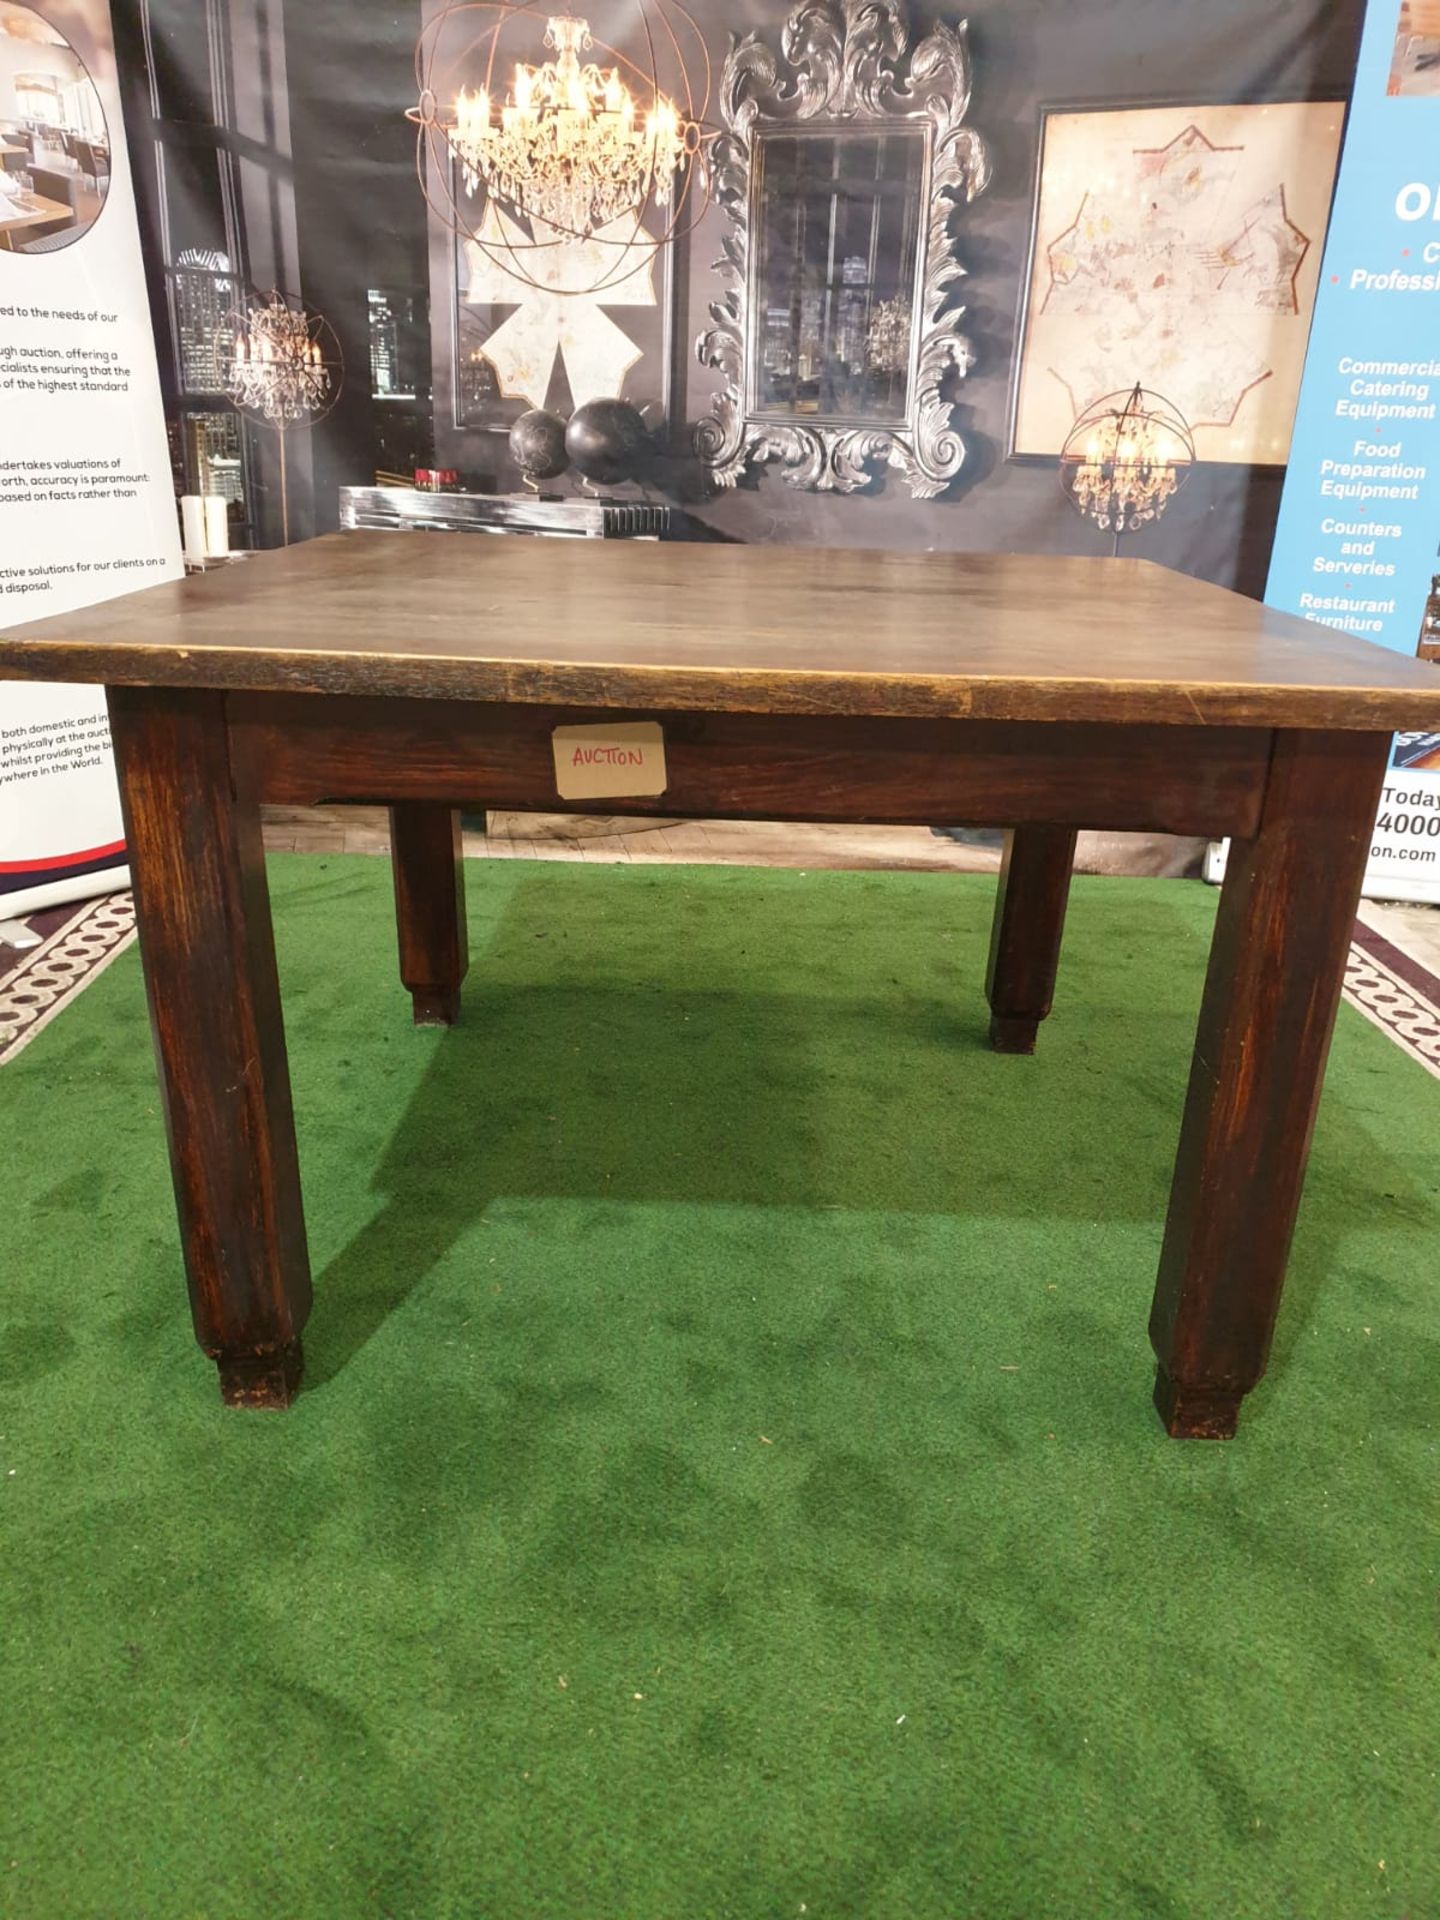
(87,505)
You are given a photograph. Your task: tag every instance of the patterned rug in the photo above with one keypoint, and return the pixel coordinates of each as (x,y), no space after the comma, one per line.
(1397,993)
(77,943)
(1388,986)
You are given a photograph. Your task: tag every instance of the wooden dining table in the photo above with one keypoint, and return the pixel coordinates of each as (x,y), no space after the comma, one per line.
(1030,692)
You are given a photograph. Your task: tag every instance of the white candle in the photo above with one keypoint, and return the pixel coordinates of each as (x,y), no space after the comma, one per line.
(192,521)
(217,527)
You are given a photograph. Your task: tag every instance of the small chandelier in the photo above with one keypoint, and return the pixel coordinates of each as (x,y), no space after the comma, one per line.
(570,147)
(282,365)
(597,156)
(1125,459)
(277,368)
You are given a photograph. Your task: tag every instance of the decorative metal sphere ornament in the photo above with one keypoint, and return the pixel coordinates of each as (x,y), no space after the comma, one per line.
(1126,458)
(537,446)
(594,154)
(607,441)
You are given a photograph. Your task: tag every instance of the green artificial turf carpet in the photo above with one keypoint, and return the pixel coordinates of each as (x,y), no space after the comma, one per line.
(727,1483)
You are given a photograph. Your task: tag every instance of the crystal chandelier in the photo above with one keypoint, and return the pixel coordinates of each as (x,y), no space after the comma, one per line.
(282,364)
(1125,458)
(571,178)
(570,146)
(276,367)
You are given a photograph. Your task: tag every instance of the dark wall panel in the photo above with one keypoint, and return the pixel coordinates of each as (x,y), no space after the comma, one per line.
(360,223)
(1028,54)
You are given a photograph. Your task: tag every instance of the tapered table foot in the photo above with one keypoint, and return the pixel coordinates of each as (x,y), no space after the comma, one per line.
(1013,1033)
(1195,1413)
(262,1380)
(435,1009)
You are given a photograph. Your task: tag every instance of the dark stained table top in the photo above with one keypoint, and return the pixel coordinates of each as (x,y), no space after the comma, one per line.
(734,628)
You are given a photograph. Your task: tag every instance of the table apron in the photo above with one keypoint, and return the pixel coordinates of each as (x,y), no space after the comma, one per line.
(309,749)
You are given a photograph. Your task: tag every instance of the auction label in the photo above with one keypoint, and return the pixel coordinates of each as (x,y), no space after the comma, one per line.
(620,761)
(87,506)
(1358,541)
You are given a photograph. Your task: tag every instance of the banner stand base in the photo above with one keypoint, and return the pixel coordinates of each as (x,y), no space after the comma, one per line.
(15,933)
(59,893)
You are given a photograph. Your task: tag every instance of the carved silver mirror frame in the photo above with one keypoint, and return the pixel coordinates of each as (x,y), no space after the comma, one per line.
(844,62)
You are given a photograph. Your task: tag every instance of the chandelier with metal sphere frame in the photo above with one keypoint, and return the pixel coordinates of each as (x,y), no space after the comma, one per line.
(282,366)
(569,172)
(1125,459)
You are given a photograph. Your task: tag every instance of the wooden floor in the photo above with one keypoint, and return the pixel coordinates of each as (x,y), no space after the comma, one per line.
(90,936)
(771,843)
(1414,928)
(603,837)
(754,843)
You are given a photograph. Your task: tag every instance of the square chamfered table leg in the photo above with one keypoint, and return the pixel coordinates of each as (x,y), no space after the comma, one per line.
(1025,940)
(427,858)
(203,913)
(1277,966)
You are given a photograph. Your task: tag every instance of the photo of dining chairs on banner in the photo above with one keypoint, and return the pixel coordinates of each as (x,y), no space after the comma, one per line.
(54,144)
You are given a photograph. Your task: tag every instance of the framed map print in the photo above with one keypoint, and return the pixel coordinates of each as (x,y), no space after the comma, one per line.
(1178,247)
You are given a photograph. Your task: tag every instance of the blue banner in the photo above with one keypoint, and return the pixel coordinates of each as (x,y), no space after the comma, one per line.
(1356,546)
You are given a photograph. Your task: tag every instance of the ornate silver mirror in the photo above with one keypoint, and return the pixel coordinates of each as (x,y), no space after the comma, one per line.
(839,171)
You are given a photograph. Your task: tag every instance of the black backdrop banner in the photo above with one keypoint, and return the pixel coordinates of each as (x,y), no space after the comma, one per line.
(1174,227)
